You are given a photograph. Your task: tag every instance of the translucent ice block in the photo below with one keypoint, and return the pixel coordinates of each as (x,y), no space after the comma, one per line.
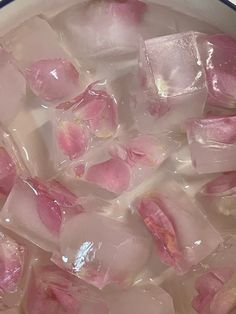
(12,88)
(149,299)
(101,251)
(212,143)
(182,234)
(219,53)
(103,28)
(172,83)
(53,291)
(84,122)
(47,67)
(11,163)
(35,210)
(12,260)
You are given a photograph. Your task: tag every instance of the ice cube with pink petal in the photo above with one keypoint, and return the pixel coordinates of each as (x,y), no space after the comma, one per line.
(36,210)
(101,251)
(182,234)
(126,162)
(12,266)
(54,291)
(139,300)
(172,84)
(49,70)
(219,55)
(212,143)
(12,88)
(11,163)
(84,122)
(103,28)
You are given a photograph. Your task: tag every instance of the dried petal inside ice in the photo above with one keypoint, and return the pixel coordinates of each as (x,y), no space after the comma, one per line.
(153,213)
(7,172)
(52,79)
(112,174)
(223,185)
(72,138)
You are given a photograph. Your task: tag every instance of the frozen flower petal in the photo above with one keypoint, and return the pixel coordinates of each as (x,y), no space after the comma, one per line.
(112,174)
(52,79)
(11,264)
(223,185)
(72,139)
(7,172)
(152,211)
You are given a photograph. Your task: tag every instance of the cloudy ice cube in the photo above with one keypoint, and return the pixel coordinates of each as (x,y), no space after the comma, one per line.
(42,208)
(101,251)
(212,143)
(12,88)
(48,69)
(103,28)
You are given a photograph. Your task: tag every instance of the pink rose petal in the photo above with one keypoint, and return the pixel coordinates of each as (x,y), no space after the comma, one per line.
(223,185)
(52,79)
(207,286)
(162,229)
(112,174)
(72,139)
(7,172)
(11,264)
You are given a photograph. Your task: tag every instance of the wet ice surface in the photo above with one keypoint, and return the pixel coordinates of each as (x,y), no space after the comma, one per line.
(114,144)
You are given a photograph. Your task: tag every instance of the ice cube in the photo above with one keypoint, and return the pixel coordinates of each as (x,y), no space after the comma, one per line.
(11,164)
(182,234)
(84,122)
(219,55)
(53,291)
(12,261)
(148,299)
(12,94)
(212,143)
(101,251)
(42,208)
(169,94)
(48,69)
(102,28)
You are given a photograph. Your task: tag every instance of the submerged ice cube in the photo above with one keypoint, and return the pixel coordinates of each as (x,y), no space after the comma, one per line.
(148,299)
(84,122)
(12,88)
(169,90)
(47,67)
(12,265)
(36,210)
(212,143)
(182,234)
(53,291)
(102,28)
(219,53)
(101,251)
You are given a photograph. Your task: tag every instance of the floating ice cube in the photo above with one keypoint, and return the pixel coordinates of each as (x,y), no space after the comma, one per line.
(219,55)
(53,291)
(149,299)
(101,251)
(170,92)
(11,164)
(42,208)
(12,261)
(103,28)
(182,234)
(212,143)
(84,122)
(12,88)
(46,66)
